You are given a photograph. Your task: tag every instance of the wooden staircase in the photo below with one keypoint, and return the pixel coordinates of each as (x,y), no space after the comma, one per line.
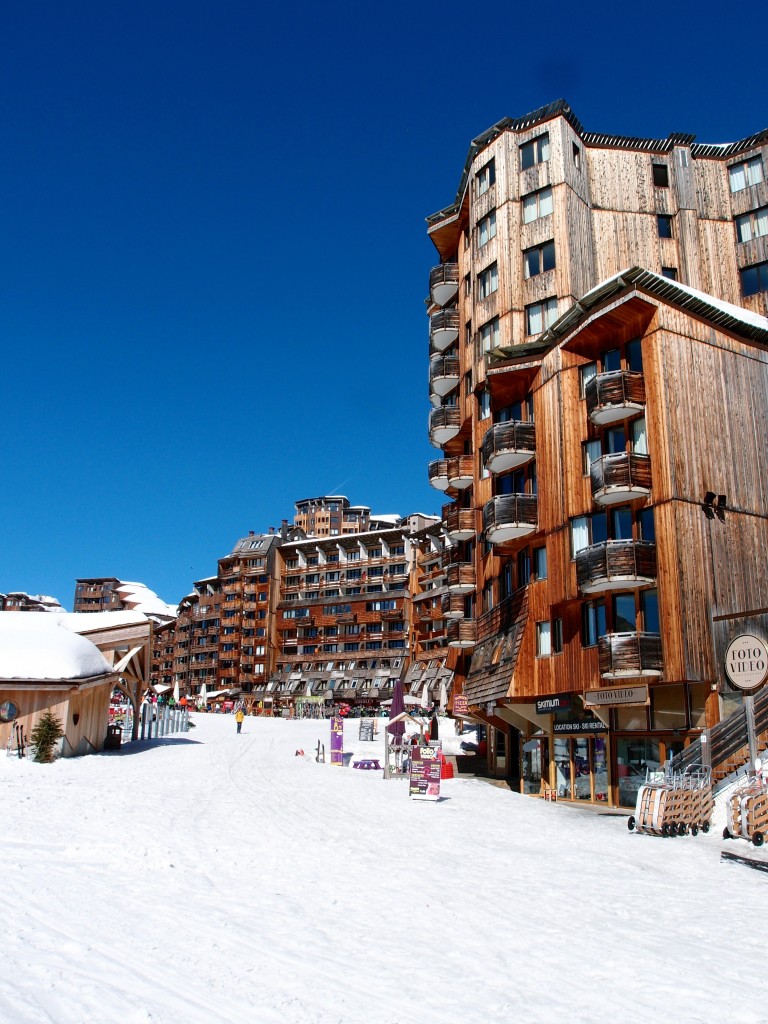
(726,747)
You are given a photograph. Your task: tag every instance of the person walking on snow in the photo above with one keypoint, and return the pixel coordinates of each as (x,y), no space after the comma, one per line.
(239,716)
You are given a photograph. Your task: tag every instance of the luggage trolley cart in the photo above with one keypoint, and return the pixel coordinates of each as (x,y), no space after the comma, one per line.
(675,803)
(747,811)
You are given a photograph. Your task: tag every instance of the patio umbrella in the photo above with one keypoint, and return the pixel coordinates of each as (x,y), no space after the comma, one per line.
(203,694)
(176,692)
(443,696)
(433,727)
(397,729)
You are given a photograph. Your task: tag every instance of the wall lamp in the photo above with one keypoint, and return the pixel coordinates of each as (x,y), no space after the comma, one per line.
(714,505)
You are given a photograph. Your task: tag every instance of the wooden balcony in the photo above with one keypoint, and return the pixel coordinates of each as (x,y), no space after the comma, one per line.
(461,578)
(444,374)
(614,396)
(509,517)
(444,424)
(393,615)
(459,522)
(444,283)
(452,606)
(462,633)
(615,565)
(622,477)
(443,328)
(509,445)
(629,655)
(461,469)
(438,474)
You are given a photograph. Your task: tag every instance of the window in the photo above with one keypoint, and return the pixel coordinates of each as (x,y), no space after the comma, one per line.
(669,272)
(540,563)
(486,229)
(634,354)
(523,568)
(539,260)
(754,279)
(534,152)
(645,524)
(486,177)
(484,403)
(489,335)
(586,373)
(590,452)
(557,636)
(592,622)
(537,204)
(576,156)
(649,610)
(543,640)
(623,613)
(746,173)
(488,281)
(661,175)
(752,225)
(664,225)
(540,315)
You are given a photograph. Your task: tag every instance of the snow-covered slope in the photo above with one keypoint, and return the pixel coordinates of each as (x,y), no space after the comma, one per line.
(220,878)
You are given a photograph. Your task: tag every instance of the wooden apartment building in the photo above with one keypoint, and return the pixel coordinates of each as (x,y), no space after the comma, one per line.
(599,383)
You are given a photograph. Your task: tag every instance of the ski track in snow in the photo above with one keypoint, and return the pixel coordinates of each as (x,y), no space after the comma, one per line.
(215,877)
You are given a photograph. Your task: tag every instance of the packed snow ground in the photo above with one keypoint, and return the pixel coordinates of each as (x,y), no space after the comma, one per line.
(213,877)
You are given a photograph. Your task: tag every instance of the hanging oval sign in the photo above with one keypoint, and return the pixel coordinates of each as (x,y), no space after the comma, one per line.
(8,711)
(746,661)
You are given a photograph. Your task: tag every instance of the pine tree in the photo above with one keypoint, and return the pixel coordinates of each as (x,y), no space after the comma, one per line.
(44,736)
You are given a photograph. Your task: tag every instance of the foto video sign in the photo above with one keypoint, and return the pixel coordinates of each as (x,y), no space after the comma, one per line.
(746,661)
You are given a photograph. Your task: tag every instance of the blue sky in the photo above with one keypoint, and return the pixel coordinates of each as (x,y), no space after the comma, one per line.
(215,257)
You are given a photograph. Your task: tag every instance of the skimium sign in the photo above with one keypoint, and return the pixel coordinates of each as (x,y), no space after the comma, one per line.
(746,661)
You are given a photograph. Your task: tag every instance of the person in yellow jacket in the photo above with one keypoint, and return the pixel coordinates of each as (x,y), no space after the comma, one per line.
(239,716)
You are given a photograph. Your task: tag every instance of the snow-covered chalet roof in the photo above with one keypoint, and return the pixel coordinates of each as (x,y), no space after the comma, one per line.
(40,647)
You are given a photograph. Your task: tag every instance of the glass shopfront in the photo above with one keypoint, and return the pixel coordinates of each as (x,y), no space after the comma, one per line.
(581,768)
(535,764)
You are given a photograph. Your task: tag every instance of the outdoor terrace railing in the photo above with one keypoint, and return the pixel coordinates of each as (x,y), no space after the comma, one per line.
(622,476)
(614,396)
(615,564)
(508,445)
(510,516)
(626,655)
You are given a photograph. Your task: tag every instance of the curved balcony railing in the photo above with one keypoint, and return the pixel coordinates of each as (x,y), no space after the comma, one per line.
(444,423)
(614,396)
(624,476)
(444,374)
(452,606)
(462,633)
(461,577)
(444,283)
(615,565)
(438,474)
(460,471)
(509,445)
(459,522)
(629,655)
(444,328)
(510,516)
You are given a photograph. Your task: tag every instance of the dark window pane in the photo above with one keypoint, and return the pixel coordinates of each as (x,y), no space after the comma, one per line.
(665,225)
(548,256)
(649,603)
(647,527)
(611,360)
(599,528)
(621,524)
(635,355)
(624,613)
(661,175)
(616,440)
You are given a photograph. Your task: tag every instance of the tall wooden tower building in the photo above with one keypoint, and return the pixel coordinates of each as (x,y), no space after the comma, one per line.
(599,383)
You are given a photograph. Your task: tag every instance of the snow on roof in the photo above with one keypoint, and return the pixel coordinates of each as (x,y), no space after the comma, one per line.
(89,622)
(139,597)
(35,647)
(737,312)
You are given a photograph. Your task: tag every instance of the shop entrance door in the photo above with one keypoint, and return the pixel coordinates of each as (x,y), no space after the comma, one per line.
(581,768)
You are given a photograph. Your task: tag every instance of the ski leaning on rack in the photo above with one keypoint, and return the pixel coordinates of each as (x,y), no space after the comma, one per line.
(20,741)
